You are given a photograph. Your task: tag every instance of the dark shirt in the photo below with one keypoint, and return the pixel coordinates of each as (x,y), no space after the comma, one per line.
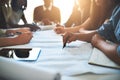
(3,24)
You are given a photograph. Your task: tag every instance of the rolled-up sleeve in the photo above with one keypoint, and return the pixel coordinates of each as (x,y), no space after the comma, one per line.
(107,31)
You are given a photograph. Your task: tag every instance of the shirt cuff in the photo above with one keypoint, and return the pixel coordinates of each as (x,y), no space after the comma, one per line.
(118,50)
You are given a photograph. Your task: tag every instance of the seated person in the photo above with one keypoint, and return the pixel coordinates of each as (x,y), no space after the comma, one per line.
(11,14)
(11,11)
(100,11)
(47,13)
(80,13)
(108,31)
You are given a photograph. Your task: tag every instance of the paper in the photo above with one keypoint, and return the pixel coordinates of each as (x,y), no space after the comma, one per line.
(46,37)
(84,68)
(99,58)
(14,70)
(47,27)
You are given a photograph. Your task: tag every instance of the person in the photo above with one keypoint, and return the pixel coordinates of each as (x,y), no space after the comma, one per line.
(11,16)
(47,14)
(99,12)
(10,37)
(106,38)
(80,13)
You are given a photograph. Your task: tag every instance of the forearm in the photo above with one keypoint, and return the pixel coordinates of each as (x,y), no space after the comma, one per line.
(73,29)
(16,40)
(110,50)
(86,35)
(7,41)
(24,19)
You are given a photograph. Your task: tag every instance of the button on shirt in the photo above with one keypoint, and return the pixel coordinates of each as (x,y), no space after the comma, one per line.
(111,29)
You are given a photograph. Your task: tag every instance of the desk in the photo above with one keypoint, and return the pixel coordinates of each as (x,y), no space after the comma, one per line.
(71,62)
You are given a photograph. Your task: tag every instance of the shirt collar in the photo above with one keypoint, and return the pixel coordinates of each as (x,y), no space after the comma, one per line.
(49,8)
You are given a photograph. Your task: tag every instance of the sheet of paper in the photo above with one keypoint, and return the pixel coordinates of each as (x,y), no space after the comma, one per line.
(14,70)
(84,68)
(47,27)
(46,36)
(99,58)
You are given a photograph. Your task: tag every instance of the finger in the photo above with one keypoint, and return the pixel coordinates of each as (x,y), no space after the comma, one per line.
(66,37)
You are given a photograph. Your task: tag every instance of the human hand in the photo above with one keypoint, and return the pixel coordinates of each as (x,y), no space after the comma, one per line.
(69,37)
(46,21)
(96,40)
(23,38)
(59,29)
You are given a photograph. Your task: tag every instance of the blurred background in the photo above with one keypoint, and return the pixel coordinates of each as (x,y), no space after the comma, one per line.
(65,7)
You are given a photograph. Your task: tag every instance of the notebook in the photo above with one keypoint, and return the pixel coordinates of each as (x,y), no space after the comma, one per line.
(99,58)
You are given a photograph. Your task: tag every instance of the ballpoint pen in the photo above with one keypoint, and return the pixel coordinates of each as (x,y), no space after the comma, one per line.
(64,45)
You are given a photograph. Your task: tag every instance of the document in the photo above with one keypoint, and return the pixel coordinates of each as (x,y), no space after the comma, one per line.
(47,27)
(99,58)
(14,70)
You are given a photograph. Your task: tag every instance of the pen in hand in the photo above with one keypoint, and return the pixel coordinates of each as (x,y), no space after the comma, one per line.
(64,44)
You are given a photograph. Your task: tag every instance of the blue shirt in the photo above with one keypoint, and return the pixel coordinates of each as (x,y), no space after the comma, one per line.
(111,29)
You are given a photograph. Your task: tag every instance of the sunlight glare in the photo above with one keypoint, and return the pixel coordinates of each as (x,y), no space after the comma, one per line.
(65,7)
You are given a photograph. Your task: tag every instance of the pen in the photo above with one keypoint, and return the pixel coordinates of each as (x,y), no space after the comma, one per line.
(64,45)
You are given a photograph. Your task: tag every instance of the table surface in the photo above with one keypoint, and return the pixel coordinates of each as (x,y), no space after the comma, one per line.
(71,62)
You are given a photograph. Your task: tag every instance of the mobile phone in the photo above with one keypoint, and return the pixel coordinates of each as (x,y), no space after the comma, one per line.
(33,54)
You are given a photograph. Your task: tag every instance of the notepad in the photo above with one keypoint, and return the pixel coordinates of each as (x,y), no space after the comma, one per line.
(33,55)
(99,58)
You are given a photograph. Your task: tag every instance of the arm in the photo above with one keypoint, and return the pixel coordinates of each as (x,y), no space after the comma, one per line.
(89,24)
(61,29)
(20,39)
(58,17)
(35,15)
(86,36)
(24,19)
(16,40)
(110,50)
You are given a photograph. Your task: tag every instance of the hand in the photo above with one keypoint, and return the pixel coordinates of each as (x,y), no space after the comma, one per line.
(69,37)
(59,29)
(46,22)
(96,40)
(22,38)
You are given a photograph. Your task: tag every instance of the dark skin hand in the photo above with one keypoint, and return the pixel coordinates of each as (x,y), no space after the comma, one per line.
(108,49)
(86,36)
